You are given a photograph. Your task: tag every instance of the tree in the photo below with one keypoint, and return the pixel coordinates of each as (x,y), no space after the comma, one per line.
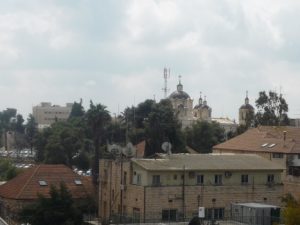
(30,130)
(98,119)
(272,109)
(59,209)
(7,170)
(202,136)
(291,212)
(77,110)
(162,125)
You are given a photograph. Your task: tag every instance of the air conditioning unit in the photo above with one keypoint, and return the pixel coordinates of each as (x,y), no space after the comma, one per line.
(228,174)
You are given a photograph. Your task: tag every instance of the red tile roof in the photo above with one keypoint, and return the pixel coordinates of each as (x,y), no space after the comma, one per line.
(26,185)
(261,139)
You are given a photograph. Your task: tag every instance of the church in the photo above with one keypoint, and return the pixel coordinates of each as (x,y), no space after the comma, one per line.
(188,114)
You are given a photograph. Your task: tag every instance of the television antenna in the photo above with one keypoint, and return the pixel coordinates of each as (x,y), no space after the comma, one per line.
(129,150)
(166,147)
(166,77)
(114,149)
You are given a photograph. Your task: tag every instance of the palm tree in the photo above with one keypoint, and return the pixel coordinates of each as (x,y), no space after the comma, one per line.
(97,120)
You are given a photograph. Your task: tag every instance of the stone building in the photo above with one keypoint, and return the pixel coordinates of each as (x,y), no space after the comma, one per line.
(277,144)
(184,110)
(172,187)
(245,112)
(45,114)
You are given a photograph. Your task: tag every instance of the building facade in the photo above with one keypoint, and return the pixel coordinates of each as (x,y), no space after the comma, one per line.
(46,114)
(172,187)
(277,144)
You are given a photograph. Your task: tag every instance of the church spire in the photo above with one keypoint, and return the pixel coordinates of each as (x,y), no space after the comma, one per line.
(200,99)
(204,102)
(179,86)
(246,99)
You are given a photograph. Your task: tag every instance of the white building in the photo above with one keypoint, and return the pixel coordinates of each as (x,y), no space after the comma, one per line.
(46,114)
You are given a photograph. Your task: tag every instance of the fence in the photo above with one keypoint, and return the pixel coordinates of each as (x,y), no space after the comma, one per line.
(216,218)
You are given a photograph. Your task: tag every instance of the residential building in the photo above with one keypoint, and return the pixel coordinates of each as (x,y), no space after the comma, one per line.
(172,187)
(24,189)
(277,144)
(45,114)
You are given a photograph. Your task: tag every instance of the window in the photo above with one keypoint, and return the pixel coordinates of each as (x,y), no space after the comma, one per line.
(278,155)
(125,178)
(200,179)
(169,215)
(175,177)
(43,183)
(156,180)
(215,213)
(271,145)
(138,179)
(244,179)
(298,156)
(218,179)
(270,178)
(78,182)
(136,215)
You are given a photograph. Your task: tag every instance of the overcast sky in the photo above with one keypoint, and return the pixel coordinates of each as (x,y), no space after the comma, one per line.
(114,51)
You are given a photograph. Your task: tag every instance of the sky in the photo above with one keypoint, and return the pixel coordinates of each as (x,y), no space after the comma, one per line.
(113,52)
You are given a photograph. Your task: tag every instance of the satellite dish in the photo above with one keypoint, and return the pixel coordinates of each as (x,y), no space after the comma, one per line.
(114,149)
(166,147)
(129,150)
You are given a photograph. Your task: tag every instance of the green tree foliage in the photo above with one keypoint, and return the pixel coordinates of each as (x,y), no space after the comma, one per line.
(64,142)
(272,109)
(59,209)
(291,212)
(202,136)
(6,121)
(7,170)
(77,110)
(82,161)
(98,118)
(162,125)
(30,131)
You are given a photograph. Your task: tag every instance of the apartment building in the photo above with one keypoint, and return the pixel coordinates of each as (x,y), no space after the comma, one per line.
(45,114)
(172,187)
(277,144)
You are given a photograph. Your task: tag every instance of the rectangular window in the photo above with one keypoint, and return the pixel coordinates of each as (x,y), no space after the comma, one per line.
(125,178)
(218,179)
(270,178)
(298,156)
(214,213)
(244,179)
(156,180)
(200,179)
(139,179)
(136,215)
(278,155)
(175,177)
(169,215)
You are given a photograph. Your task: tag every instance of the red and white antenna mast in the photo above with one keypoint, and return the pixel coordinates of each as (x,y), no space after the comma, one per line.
(166,77)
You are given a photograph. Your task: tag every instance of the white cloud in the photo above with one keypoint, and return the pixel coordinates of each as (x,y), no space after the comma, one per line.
(115,51)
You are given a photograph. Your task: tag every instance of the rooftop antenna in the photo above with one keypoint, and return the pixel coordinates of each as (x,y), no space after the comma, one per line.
(166,77)
(166,147)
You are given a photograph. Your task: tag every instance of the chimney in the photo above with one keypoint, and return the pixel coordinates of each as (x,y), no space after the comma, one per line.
(284,137)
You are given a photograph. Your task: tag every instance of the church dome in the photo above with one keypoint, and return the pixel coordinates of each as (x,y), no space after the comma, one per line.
(179,93)
(247,105)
